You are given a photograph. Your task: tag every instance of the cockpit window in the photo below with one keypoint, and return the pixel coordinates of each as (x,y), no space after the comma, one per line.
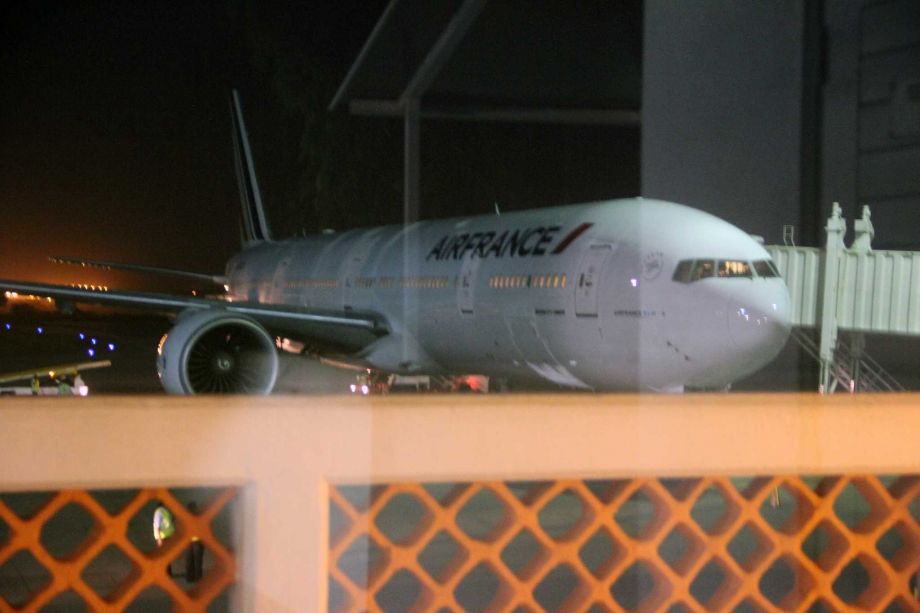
(703,269)
(734,268)
(765,268)
(688,271)
(682,272)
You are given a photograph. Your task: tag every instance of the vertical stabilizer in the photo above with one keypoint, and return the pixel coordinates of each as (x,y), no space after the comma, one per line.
(255,225)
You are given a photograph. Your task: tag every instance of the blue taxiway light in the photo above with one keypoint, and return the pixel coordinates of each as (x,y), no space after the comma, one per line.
(92,340)
(82,336)
(7,326)
(39,329)
(111,346)
(90,352)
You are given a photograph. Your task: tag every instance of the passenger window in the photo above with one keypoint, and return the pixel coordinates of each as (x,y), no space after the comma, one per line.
(703,269)
(682,272)
(734,268)
(765,268)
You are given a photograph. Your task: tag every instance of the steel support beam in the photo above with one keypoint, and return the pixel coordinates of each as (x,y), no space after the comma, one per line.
(362,56)
(411,141)
(442,50)
(609,117)
(836,228)
(411,126)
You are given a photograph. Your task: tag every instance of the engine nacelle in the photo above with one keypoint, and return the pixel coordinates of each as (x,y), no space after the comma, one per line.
(213,352)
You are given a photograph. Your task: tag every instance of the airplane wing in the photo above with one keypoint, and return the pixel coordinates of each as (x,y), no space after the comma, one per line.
(345,331)
(51,371)
(106,265)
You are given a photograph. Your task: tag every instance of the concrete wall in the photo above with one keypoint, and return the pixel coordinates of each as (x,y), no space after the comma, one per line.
(722,109)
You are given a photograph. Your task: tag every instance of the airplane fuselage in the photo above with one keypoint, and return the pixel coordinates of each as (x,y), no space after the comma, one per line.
(585,296)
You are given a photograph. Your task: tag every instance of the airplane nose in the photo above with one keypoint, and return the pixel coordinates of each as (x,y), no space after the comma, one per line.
(759,321)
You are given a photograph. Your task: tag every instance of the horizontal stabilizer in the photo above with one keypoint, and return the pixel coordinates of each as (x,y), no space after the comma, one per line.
(171,272)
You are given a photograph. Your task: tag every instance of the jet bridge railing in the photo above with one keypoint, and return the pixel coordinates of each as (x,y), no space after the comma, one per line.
(801,269)
(856,289)
(853,370)
(865,370)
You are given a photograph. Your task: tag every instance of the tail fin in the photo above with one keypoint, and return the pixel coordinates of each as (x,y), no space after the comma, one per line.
(255,224)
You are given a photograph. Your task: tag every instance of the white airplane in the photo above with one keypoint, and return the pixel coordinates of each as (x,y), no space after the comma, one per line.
(634,294)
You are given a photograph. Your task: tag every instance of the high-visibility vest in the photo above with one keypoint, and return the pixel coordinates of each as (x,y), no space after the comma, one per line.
(163,525)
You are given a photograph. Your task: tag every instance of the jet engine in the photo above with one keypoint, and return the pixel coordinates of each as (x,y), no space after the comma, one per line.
(212,352)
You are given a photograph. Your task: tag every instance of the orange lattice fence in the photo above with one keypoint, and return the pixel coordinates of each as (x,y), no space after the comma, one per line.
(94,550)
(717,544)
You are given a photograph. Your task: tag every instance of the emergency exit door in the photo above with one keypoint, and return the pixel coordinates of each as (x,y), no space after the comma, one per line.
(588,279)
(280,290)
(355,262)
(466,286)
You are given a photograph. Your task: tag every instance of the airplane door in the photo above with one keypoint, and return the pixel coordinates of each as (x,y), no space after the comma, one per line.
(354,265)
(589,275)
(279,280)
(352,269)
(466,289)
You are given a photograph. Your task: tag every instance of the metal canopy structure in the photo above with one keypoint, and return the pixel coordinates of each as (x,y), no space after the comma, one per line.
(513,61)
(510,61)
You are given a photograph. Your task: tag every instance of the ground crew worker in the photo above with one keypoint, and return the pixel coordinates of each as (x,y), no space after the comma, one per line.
(163,524)
(63,387)
(194,556)
(36,385)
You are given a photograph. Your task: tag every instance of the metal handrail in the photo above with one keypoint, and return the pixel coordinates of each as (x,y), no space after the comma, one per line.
(872,377)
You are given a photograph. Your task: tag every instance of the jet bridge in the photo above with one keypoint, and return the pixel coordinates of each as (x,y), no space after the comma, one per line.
(855,289)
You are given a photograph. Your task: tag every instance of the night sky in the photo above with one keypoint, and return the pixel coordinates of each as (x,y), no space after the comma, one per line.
(115,136)
(115,129)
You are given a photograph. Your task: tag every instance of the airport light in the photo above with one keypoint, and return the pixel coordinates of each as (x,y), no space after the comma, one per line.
(39,329)
(93,340)
(8,326)
(91,352)
(82,336)
(111,346)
